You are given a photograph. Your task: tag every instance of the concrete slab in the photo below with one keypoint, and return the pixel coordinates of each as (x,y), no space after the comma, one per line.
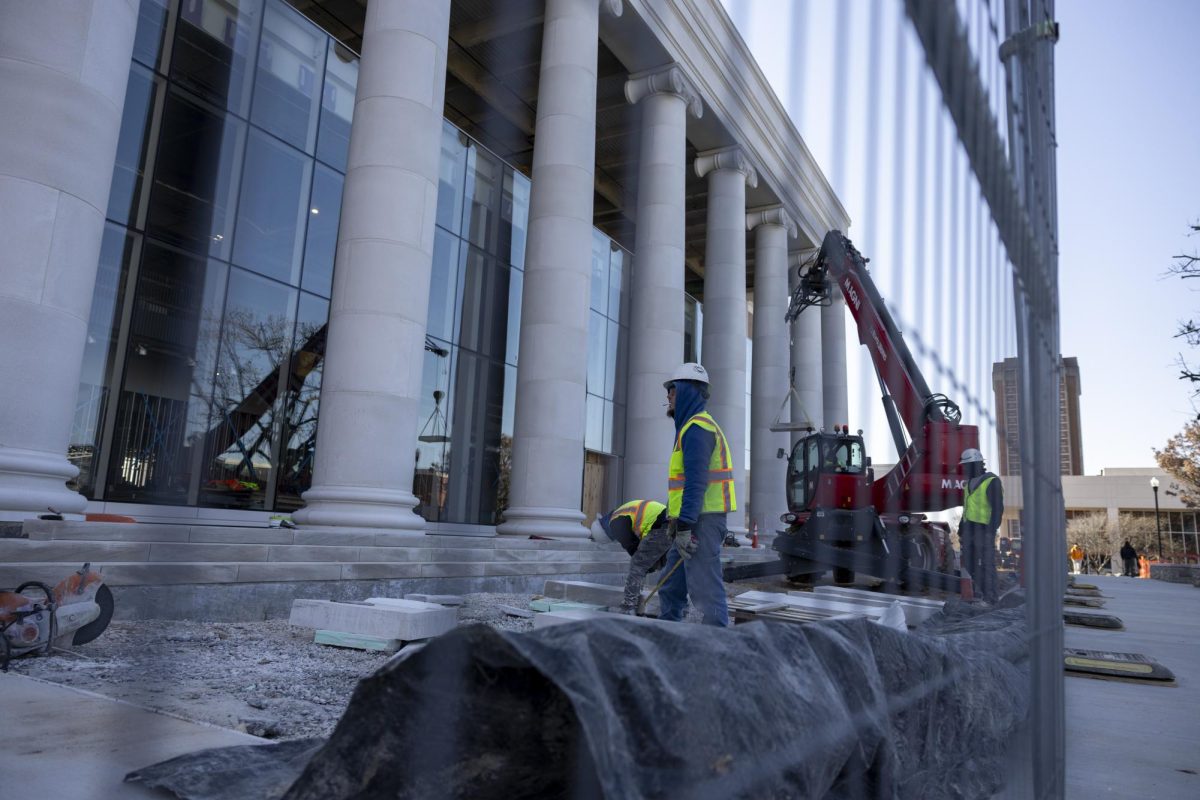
(820,603)
(437,599)
(1136,740)
(580,615)
(65,742)
(386,618)
(584,592)
(914,613)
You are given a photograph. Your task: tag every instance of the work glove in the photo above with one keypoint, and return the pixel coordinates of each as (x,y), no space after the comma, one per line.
(685,541)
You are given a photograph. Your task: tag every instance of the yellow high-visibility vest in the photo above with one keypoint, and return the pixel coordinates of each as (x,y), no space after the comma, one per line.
(976,507)
(642,515)
(719,495)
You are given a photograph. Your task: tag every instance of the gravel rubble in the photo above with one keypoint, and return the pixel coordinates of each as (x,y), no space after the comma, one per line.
(266,678)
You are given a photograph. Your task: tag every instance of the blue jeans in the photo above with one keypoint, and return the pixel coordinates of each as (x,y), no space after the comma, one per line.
(699,578)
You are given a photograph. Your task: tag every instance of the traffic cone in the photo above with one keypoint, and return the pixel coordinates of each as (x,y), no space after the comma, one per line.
(754,535)
(966,587)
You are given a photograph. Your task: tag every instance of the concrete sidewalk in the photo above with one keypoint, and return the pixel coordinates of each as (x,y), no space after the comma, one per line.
(1127,740)
(65,742)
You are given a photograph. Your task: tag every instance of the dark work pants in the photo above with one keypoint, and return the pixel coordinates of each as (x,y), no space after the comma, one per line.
(651,548)
(699,579)
(979,557)
(1131,570)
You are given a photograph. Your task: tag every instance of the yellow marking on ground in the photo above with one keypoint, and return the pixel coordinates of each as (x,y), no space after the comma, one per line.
(1120,666)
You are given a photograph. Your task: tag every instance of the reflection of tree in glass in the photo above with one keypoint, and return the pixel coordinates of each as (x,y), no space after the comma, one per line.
(246,389)
(504,476)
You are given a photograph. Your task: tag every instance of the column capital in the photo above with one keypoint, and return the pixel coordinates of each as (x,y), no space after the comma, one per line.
(734,158)
(803,257)
(772,215)
(613,7)
(670,79)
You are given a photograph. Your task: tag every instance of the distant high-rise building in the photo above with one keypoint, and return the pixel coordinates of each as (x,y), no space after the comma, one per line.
(1005,381)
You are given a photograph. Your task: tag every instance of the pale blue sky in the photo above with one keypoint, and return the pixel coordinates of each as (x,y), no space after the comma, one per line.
(1128,101)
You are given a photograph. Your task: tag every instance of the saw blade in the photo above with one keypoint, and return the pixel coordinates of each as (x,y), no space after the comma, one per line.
(104,599)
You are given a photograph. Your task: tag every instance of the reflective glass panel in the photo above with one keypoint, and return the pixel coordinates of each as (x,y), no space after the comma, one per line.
(601,250)
(445,285)
(478,399)
(273,208)
(520,218)
(195,176)
(100,356)
(320,244)
(597,344)
(291,64)
(302,394)
(162,419)
(483,325)
(337,106)
(126,187)
(593,430)
(516,285)
(214,51)
(614,362)
(256,345)
(482,209)
(618,281)
(151,24)
(504,457)
(432,474)
(452,173)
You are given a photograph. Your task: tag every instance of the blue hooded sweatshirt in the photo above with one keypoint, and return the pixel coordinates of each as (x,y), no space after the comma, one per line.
(698,446)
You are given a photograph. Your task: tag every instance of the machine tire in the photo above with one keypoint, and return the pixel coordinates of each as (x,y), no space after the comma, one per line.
(918,551)
(104,599)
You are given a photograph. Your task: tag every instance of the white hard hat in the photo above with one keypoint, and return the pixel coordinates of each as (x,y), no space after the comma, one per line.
(690,371)
(971,456)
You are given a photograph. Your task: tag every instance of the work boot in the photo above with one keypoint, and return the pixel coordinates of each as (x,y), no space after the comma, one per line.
(731,541)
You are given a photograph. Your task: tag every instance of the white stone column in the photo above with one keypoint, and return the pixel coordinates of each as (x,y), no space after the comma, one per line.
(808,402)
(769,372)
(363,472)
(724,351)
(657,299)
(547,470)
(833,361)
(63,70)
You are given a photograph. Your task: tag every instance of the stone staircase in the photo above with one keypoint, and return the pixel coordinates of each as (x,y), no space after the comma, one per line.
(171,571)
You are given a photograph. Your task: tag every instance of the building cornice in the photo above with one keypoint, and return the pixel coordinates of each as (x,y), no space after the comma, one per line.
(700,37)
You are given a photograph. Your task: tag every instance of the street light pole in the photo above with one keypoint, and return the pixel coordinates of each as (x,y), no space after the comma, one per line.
(1157,524)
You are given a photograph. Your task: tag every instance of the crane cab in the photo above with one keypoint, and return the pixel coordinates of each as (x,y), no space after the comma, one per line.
(828,470)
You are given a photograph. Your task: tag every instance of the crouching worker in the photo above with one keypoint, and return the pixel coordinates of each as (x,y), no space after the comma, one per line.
(641,527)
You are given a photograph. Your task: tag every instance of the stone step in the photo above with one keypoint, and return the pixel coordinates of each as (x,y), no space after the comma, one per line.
(43,530)
(145,573)
(69,551)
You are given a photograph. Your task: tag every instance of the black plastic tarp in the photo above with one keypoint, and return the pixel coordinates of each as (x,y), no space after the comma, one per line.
(616,708)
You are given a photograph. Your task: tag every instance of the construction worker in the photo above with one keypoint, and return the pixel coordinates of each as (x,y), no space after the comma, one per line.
(641,527)
(1076,555)
(983,506)
(700,493)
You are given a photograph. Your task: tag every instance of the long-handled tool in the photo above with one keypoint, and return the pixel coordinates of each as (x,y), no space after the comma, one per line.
(641,606)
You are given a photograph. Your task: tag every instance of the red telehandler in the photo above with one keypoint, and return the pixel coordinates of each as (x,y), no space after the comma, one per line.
(839,515)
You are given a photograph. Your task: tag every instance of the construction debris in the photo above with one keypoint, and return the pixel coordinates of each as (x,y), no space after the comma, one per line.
(596,708)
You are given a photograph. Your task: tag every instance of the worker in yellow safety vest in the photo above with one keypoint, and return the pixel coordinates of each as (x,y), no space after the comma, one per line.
(983,508)
(641,527)
(700,492)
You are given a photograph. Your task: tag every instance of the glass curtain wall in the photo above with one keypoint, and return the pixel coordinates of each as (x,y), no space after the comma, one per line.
(203,366)
(202,372)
